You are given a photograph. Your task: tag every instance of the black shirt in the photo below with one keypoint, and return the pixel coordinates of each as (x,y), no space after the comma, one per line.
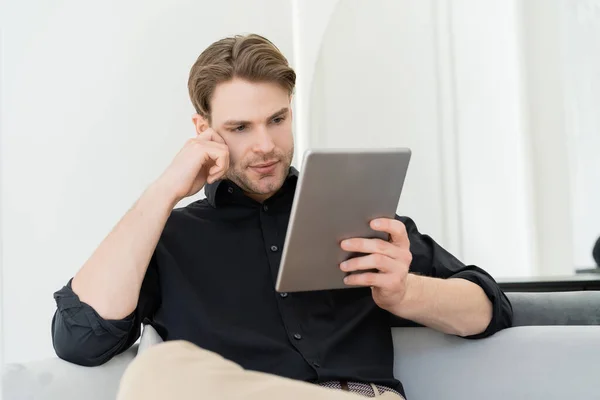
(211,281)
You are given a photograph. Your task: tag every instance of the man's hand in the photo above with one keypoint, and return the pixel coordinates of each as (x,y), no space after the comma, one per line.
(202,159)
(390,258)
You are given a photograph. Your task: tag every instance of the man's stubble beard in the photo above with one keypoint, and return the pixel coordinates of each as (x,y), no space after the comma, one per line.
(239,174)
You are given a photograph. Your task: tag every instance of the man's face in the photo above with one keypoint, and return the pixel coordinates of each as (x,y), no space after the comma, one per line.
(255,120)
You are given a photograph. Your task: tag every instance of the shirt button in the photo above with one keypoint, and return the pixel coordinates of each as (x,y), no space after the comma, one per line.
(284,295)
(230,190)
(297,336)
(266,207)
(274,248)
(316,364)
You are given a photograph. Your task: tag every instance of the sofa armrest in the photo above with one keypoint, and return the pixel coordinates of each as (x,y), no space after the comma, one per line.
(56,379)
(555,308)
(528,362)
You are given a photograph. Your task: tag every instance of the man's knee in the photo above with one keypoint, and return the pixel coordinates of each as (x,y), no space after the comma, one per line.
(172,355)
(162,367)
(175,352)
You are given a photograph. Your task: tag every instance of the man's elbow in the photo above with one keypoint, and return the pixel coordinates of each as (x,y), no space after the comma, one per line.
(477,324)
(499,318)
(75,354)
(471,330)
(81,345)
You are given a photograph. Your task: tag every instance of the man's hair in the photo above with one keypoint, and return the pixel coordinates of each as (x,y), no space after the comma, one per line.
(250,57)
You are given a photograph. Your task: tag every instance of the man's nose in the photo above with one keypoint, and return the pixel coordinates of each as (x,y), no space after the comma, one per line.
(264,142)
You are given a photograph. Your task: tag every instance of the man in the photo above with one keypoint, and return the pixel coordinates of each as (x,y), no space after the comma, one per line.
(204,275)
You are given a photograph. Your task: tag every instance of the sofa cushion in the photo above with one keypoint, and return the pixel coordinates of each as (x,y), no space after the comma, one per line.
(149,338)
(532,362)
(56,379)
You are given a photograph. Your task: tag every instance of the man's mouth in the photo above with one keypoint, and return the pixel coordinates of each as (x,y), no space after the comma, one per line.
(264,167)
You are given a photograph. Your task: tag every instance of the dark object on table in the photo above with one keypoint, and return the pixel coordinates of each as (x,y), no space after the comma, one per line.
(596,252)
(577,282)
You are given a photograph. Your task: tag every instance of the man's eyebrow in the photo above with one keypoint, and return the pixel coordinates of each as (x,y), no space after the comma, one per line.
(279,113)
(236,122)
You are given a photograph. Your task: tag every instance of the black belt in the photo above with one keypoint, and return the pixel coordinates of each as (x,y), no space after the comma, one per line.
(363,389)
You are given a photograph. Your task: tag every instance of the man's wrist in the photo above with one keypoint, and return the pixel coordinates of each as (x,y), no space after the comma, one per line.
(161,195)
(407,307)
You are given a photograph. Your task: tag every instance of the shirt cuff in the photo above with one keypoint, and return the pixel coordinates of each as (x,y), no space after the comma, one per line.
(501,308)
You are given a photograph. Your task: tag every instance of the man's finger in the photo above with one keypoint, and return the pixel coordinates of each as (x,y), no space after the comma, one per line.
(218,152)
(204,143)
(369,246)
(372,279)
(395,228)
(372,261)
(215,177)
(217,171)
(211,135)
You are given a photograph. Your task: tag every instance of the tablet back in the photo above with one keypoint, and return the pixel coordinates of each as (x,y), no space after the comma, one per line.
(338,193)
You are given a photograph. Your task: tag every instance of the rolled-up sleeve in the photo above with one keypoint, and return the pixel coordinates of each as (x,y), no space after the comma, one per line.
(81,336)
(430,259)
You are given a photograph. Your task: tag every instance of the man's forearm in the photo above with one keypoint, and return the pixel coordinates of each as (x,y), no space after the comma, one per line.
(111,279)
(453,306)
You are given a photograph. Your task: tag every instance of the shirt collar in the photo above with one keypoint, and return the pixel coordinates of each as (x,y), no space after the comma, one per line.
(215,191)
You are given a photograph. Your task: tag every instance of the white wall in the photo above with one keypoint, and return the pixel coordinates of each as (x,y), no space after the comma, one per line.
(366,93)
(550,161)
(475,88)
(580,62)
(95,107)
(309,21)
(494,170)
(1,208)
(445,79)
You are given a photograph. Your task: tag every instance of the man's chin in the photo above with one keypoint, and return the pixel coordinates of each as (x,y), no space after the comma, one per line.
(267,184)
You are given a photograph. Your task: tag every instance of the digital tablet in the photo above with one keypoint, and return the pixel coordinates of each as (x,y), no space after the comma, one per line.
(337,195)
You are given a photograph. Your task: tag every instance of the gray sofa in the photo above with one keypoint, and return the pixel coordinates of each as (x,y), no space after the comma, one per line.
(552,352)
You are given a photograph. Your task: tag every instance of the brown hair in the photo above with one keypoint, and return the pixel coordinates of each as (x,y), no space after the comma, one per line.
(251,57)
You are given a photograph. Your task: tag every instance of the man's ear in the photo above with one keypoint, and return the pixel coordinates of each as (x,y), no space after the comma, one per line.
(200,123)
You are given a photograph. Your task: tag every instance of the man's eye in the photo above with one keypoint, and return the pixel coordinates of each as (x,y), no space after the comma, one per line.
(278,120)
(240,128)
